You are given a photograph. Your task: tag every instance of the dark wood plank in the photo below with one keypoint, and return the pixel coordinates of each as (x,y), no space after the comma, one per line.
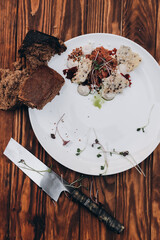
(139,22)
(7,55)
(104,17)
(36,206)
(155,204)
(133,190)
(155,195)
(134,197)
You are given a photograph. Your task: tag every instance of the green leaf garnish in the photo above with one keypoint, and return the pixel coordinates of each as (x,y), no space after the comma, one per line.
(78,150)
(102,167)
(143,128)
(99,155)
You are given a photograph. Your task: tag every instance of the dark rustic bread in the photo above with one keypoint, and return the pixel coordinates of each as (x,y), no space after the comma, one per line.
(10,82)
(38,48)
(41,87)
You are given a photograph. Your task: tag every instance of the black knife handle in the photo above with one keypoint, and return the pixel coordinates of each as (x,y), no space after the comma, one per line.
(98,211)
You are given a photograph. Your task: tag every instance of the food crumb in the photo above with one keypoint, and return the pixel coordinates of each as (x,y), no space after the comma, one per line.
(53,135)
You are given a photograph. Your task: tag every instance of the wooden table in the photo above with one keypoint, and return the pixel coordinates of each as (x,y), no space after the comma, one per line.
(25,211)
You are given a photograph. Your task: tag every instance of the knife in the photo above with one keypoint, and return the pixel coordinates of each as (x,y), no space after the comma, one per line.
(53,184)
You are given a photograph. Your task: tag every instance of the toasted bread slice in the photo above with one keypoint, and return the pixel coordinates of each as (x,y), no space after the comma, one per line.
(41,87)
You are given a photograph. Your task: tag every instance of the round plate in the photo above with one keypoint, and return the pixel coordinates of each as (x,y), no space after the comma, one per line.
(114,125)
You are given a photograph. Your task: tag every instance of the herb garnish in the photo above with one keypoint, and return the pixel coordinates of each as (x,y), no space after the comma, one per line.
(96,66)
(126,154)
(27,167)
(100,68)
(104,152)
(143,127)
(129,157)
(73,184)
(102,167)
(53,135)
(99,155)
(79,151)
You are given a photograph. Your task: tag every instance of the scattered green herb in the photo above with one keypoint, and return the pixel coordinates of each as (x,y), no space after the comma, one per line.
(130,158)
(124,154)
(74,183)
(99,155)
(96,66)
(144,127)
(27,167)
(100,146)
(79,151)
(102,167)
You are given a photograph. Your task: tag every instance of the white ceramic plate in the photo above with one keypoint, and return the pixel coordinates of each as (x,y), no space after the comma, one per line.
(115,123)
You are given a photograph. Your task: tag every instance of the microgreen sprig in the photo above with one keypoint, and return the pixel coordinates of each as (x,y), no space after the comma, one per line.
(129,158)
(100,146)
(144,127)
(53,135)
(27,167)
(79,180)
(99,155)
(79,151)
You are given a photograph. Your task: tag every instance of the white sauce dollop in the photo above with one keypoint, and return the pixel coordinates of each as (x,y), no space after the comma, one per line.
(83,90)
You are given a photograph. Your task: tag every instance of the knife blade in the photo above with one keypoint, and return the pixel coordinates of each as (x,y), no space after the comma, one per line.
(52,184)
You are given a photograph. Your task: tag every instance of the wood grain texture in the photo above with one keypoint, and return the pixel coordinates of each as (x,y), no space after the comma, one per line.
(26,212)
(139,22)
(138,17)
(41,207)
(155,207)
(7,55)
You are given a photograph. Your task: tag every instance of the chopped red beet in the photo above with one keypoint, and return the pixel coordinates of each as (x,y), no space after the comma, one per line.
(113,51)
(128,77)
(70,72)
